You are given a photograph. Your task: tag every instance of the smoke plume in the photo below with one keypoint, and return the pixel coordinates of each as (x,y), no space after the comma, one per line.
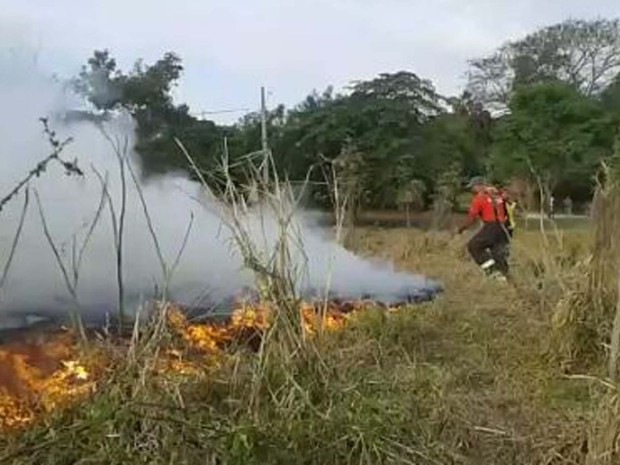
(210,269)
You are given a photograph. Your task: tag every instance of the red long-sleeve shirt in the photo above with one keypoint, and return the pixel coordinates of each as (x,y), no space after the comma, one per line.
(482,207)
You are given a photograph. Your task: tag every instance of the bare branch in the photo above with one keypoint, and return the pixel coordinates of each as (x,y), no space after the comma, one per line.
(52,244)
(16,239)
(58,147)
(118,228)
(88,236)
(71,287)
(183,245)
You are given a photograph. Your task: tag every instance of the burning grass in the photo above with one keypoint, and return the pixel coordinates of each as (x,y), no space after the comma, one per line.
(39,374)
(44,372)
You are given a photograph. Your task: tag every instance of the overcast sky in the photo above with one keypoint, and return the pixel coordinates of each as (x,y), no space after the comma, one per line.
(232,47)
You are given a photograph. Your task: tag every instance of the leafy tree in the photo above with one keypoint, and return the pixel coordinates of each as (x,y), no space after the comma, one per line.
(107,87)
(553,134)
(452,138)
(445,198)
(411,196)
(393,139)
(389,115)
(99,81)
(383,118)
(352,176)
(246,135)
(584,54)
(145,92)
(611,96)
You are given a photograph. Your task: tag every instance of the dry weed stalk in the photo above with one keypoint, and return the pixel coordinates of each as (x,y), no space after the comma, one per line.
(343,200)
(342,197)
(590,311)
(118,217)
(606,247)
(604,432)
(583,322)
(71,168)
(166,269)
(278,267)
(604,283)
(16,238)
(591,314)
(118,221)
(273,264)
(70,279)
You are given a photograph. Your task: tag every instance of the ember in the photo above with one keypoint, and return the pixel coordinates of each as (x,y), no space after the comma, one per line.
(39,375)
(43,372)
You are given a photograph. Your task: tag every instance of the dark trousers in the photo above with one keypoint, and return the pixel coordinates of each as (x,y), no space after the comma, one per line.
(491,243)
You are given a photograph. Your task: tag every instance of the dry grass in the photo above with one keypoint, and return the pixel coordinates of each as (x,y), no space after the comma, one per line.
(509,401)
(467,379)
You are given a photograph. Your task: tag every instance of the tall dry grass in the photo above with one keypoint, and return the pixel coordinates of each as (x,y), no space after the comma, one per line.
(586,320)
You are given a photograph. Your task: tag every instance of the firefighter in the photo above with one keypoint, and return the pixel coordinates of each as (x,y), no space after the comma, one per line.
(490,244)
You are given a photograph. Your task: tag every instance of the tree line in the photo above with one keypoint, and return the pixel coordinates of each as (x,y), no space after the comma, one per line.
(543,111)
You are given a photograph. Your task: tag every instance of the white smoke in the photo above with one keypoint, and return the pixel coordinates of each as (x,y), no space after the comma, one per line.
(210,269)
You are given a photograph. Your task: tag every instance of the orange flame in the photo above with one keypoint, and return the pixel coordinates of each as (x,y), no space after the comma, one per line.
(40,375)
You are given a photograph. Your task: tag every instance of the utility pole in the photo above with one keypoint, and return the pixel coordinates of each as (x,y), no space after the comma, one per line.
(226,150)
(265,146)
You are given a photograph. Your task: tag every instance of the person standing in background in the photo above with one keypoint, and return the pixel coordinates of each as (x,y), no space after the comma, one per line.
(551,206)
(568,206)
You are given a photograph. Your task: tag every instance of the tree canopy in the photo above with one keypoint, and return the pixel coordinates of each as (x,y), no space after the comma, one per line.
(145,92)
(394,137)
(583,54)
(554,135)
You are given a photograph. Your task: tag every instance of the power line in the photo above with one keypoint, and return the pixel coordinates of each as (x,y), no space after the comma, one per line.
(217,112)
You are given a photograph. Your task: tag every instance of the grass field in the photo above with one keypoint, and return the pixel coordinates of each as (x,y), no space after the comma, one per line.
(472,378)
(424,220)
